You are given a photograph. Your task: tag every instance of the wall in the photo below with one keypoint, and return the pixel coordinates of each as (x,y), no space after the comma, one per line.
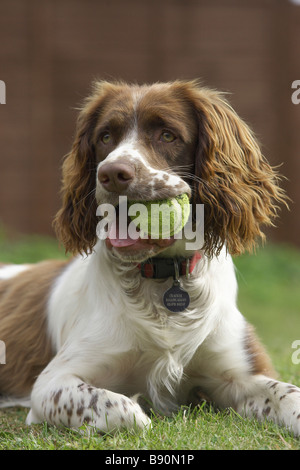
(50,52)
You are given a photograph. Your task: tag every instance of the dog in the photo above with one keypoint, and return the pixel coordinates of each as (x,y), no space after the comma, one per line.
(86,336)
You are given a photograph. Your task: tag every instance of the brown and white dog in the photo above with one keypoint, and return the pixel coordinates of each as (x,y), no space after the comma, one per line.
(83,336)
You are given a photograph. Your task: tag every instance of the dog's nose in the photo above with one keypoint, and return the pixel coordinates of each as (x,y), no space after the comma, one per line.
(116,177)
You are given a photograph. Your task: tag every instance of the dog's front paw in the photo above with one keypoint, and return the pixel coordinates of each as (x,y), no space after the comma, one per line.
(121,412)
(289,400)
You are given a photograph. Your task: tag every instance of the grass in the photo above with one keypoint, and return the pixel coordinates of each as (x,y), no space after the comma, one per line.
(16,248)
(269,296)
(197,429)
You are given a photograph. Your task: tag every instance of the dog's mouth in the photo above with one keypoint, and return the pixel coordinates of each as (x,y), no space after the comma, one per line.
(128,242)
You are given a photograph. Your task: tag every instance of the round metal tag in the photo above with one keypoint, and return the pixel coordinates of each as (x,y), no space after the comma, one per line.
(176,299)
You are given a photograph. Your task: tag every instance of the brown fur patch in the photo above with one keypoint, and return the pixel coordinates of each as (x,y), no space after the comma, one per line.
(23,300)
(258,357)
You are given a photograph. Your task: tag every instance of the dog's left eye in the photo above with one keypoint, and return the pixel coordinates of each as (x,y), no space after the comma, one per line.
(167,137)
(106,137)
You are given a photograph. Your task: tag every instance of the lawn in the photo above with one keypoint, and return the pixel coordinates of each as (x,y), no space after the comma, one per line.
(269,297)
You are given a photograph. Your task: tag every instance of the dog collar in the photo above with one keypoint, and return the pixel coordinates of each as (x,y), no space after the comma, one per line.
(162,268)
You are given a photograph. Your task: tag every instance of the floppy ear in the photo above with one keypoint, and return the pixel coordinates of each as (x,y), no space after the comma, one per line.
(75,223)
(237,186)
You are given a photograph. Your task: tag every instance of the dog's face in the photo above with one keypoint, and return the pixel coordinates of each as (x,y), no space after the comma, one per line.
(143,152)
(143,148)
(156,142)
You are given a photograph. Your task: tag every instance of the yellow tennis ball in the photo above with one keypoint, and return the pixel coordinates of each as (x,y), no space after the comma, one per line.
(161,218)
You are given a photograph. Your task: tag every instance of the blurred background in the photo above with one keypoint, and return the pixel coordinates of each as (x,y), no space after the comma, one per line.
(51,51)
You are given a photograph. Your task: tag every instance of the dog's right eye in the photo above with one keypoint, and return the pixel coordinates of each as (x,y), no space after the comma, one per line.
(106,138)
(167,137)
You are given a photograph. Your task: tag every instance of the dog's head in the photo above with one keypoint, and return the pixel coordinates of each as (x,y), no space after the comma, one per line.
(156,142)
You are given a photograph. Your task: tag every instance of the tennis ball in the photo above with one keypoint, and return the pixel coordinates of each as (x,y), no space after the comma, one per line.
(161,218)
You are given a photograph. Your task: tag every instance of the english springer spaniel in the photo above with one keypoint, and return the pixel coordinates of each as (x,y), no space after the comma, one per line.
(85,337)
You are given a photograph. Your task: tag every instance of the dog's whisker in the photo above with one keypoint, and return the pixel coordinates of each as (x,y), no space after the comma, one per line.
(86,196)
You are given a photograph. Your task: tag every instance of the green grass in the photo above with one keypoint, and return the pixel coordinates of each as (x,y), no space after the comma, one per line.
(269,296)
(197,429)
(16,248)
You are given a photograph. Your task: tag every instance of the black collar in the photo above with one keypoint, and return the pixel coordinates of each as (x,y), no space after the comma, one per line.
(162,268)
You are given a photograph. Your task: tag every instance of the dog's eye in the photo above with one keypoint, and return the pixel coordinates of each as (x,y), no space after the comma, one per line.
(106,138)
(167,137)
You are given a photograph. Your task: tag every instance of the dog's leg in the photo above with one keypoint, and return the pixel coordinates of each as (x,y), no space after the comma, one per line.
(273,400)
(255,396)
(67,400)
(236,372)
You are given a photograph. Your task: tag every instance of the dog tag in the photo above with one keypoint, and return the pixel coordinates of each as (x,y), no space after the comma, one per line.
(176,299)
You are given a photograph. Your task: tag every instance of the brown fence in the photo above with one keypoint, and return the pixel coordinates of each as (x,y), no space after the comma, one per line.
(51,50)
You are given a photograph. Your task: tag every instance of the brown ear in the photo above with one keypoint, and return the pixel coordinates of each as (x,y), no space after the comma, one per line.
(237,186)
(76,221)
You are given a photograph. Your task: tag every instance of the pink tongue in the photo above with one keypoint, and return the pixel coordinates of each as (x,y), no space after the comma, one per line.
(115,239)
